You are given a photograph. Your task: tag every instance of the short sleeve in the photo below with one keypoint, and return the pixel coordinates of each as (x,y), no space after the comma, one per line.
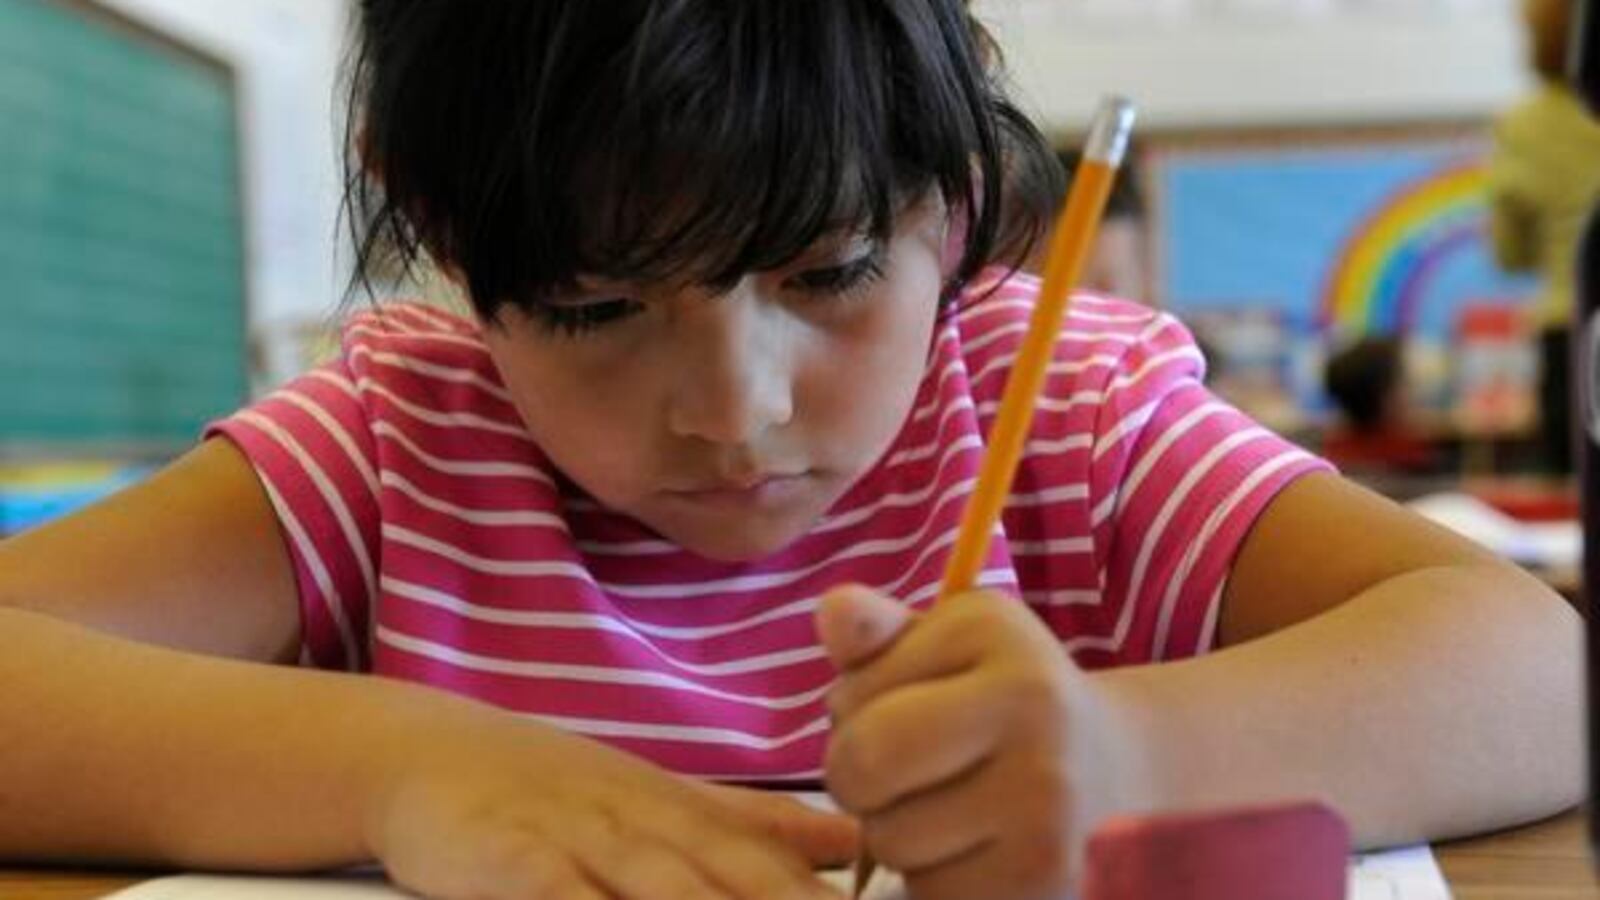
(312,446)
(1177,479)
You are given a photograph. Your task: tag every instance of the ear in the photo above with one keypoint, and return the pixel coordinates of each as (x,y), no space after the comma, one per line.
(958,224)
(957,221)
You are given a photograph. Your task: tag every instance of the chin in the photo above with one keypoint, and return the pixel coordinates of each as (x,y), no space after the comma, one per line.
(740,542)
(743,543)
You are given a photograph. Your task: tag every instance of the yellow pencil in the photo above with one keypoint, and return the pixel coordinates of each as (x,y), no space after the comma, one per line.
(1069,248)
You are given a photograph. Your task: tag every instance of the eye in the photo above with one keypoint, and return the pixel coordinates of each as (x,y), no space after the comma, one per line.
(576,319)
(841,279)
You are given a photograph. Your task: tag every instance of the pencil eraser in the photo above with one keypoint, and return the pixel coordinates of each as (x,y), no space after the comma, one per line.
(1295,851)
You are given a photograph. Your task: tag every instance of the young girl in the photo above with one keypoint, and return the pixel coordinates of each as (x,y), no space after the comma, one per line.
(737,343)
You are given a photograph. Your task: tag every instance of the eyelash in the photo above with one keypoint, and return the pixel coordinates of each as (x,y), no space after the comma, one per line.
(579,319)
(838,282)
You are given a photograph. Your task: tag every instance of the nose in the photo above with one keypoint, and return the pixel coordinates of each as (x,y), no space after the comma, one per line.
(732,379)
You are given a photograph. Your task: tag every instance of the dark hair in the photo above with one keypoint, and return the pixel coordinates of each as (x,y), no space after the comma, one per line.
(524,143)
(1548,25)
(1360,378)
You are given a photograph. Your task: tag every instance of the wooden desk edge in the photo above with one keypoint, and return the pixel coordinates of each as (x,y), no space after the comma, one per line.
(1548,860)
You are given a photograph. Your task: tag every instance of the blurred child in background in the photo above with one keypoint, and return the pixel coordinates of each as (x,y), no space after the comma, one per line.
(1367,381)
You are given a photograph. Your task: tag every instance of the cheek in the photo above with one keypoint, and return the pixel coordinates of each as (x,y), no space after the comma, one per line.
(586,426)
(865,384)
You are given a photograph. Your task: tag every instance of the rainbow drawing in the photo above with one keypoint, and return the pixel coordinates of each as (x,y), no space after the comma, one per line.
(1385,267)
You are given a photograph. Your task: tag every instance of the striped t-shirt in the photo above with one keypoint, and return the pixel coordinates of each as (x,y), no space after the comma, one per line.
(433,542)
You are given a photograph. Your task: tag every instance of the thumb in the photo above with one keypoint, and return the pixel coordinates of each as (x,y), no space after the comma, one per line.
(856,624)
(823,838)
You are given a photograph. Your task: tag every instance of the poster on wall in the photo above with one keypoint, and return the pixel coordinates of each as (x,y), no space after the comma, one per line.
(1325,245)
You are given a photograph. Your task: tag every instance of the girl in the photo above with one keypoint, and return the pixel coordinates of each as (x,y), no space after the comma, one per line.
(737,340)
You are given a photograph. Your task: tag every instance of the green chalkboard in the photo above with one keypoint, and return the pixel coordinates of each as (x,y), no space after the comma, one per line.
(122,297)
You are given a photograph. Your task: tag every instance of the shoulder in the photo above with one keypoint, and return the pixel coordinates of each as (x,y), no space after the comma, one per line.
(405,351)
(415,330)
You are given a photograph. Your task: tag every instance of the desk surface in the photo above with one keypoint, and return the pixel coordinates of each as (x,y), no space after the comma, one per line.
(1547,861)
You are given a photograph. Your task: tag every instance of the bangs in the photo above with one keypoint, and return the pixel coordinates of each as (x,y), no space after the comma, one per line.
(674,140)
(732,152)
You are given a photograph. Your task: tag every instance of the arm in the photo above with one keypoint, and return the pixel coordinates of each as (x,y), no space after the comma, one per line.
(1424,687)
(190,559)
(1421,686)
(134,750)
(140,753)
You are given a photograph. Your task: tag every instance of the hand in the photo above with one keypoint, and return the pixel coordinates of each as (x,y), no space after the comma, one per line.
(511,810)
(974,751)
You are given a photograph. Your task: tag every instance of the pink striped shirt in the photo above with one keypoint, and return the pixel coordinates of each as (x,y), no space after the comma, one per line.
(432,541)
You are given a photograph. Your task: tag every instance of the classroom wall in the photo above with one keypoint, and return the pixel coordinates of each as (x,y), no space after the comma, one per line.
(287,53)
(1190,64)
(1226,63)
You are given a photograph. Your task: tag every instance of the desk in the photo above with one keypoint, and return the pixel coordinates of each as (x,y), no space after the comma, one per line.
(1546,861)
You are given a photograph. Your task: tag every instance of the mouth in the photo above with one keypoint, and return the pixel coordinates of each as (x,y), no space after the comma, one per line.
(764,490)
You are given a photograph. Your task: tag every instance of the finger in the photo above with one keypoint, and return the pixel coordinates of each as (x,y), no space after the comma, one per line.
(822,838)
(951,638)
(505,866)
(975,874)
(541,871)
(938,826)
(746,867)
(632,862)
(1011,869)
(1021,808)
(911,740)
(645,870)
(855,624)
(743,862)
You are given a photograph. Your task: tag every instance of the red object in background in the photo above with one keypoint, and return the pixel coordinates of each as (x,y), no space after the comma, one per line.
(1384,450)
(1527,502)
(1290,852)
(1496,368)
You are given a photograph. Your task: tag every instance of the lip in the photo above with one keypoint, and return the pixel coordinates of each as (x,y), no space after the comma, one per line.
(763,490)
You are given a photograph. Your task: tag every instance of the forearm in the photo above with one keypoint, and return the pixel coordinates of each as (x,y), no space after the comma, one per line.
(118,751)
(1438,703)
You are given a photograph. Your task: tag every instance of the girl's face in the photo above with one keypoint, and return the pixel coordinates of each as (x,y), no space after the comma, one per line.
(730,423)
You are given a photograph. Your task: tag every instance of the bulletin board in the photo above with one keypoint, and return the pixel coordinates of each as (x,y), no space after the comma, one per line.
(1316,238)
(1382,235)
(122,260)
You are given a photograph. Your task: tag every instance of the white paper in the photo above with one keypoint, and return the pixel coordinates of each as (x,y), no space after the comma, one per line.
(885,885)
(1554,545)
(1410,874)
(227,887)
(1406,874)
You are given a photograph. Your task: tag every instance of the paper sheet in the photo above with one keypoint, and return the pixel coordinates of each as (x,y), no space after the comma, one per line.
(1410,874)
(1555,545)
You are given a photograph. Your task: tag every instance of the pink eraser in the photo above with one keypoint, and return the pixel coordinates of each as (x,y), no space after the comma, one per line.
(1296,851)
